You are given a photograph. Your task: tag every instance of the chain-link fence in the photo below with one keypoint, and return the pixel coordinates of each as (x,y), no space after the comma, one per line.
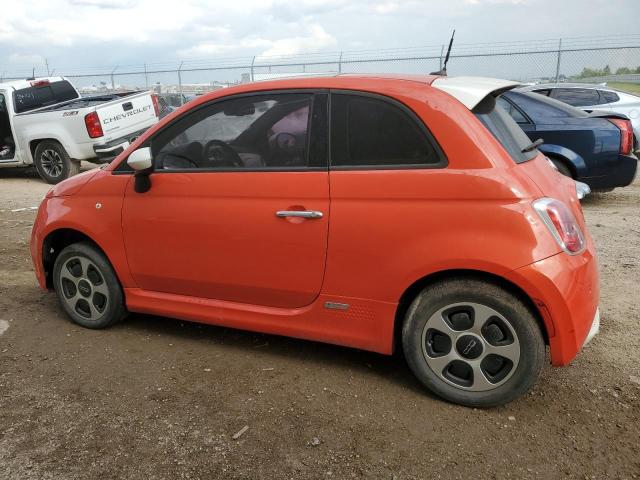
(587,59)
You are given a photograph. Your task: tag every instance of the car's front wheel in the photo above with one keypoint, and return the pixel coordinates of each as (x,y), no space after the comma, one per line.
(87,286)
(473,343)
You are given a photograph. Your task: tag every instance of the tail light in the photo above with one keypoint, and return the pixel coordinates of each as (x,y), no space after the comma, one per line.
(156,107)
(626,134)
(562,224)
(94,127)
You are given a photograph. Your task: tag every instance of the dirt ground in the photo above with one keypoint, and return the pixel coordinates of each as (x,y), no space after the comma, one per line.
(155,398)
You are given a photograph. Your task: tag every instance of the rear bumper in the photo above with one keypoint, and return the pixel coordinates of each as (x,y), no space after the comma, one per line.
(110,150)
(621,174)
(566,291)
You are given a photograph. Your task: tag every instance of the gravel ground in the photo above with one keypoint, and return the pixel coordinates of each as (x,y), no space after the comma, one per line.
(155,398)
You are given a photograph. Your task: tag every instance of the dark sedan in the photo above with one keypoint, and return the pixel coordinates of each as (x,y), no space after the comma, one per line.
(593,148)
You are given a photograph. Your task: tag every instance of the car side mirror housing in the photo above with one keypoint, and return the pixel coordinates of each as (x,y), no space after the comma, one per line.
(140,159)
(142,163)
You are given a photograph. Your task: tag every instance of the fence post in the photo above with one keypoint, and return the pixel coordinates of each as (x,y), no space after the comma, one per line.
(340,63)
(441,54)
(558,64)
(253,61)
(146,77)
(113,83)
(180,84)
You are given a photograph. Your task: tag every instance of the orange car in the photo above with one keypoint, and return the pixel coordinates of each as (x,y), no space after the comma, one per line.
(367,211)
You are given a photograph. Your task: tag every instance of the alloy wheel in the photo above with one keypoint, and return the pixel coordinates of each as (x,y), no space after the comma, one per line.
(51,163)
(471,346)
(83,288)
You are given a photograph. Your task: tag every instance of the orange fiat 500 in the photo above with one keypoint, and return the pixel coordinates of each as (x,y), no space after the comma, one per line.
(376,212)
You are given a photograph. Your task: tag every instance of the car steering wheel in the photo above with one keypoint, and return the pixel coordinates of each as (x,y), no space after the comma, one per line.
(230,156)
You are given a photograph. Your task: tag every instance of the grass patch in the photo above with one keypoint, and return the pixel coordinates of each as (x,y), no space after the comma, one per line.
(633,88)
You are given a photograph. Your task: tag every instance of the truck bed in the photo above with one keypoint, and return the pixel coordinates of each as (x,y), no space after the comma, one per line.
(84,102)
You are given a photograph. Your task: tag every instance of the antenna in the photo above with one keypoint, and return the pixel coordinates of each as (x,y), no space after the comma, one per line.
(443,71)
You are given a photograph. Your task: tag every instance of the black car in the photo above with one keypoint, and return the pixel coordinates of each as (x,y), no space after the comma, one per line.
(595,148)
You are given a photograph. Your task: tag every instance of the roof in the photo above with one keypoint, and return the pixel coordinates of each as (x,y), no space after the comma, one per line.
(470,91)
(19,84)
(565,85)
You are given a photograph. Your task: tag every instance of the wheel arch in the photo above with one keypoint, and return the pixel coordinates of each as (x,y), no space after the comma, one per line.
(571,159)
(56,241)
(33,145)
(419,285)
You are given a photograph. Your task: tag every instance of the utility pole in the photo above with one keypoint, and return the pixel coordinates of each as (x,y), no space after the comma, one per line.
(146,77)
(252,63)
(180,84)
(113,83)
(340,63)
(441,54)
(558,64)
(46,62)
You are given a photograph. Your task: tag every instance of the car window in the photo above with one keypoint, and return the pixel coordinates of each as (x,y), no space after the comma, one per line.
(544,91)
(370,131)
(609,97)
(542,109)
(577,97)
(512,110)
(249,132)
(42,95)
(504,129)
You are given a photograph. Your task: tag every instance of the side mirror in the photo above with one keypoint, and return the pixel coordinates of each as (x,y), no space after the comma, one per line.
(142,162)
(140,159)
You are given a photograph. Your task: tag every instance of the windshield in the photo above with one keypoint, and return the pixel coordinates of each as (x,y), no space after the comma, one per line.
(31,98)
(505,130)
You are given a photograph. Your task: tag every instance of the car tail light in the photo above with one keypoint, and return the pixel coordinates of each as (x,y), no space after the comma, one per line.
(40,83)
(562,224)
(94,127)
(626,134)
(156,107)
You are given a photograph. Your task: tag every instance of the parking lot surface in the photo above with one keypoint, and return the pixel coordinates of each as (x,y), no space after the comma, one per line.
(156,398)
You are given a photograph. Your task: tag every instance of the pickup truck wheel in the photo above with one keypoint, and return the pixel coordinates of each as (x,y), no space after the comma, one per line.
(473,343)
(53,163)
(87,287)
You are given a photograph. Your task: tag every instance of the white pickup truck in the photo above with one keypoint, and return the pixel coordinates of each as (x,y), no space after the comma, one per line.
(46,123)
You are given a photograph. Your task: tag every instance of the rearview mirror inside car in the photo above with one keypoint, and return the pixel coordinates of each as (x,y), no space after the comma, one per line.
(140,159)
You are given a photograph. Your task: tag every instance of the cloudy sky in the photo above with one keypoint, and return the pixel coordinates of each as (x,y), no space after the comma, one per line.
(82,33)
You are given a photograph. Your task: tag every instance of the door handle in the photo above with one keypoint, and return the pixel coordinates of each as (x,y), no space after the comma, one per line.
(299,213)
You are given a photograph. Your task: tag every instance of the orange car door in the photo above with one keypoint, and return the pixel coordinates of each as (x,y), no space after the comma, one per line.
(238,208)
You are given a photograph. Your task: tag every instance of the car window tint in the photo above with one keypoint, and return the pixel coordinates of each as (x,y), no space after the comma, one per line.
(368,131)
(544,92)
(252,132)
(31,98)
(542,109)
(504,129)
(609,97)
(511,110)
(577,97)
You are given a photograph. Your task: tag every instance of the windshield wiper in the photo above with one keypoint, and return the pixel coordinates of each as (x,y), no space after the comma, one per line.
(532,146)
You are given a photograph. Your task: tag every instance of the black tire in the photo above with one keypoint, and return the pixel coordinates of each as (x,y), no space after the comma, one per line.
(53,163)
(88,288)
(562,167)
(453,294)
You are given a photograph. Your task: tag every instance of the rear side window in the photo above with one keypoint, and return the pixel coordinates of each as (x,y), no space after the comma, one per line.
(374,132)
(504,129)
(31,98)
(609,97)
(577,97)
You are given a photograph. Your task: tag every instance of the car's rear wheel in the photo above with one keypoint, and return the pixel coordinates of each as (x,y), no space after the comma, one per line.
(53,163)
(473,343)
(87,287)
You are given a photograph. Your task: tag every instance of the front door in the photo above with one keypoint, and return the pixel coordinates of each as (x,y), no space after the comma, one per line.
(238,208)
